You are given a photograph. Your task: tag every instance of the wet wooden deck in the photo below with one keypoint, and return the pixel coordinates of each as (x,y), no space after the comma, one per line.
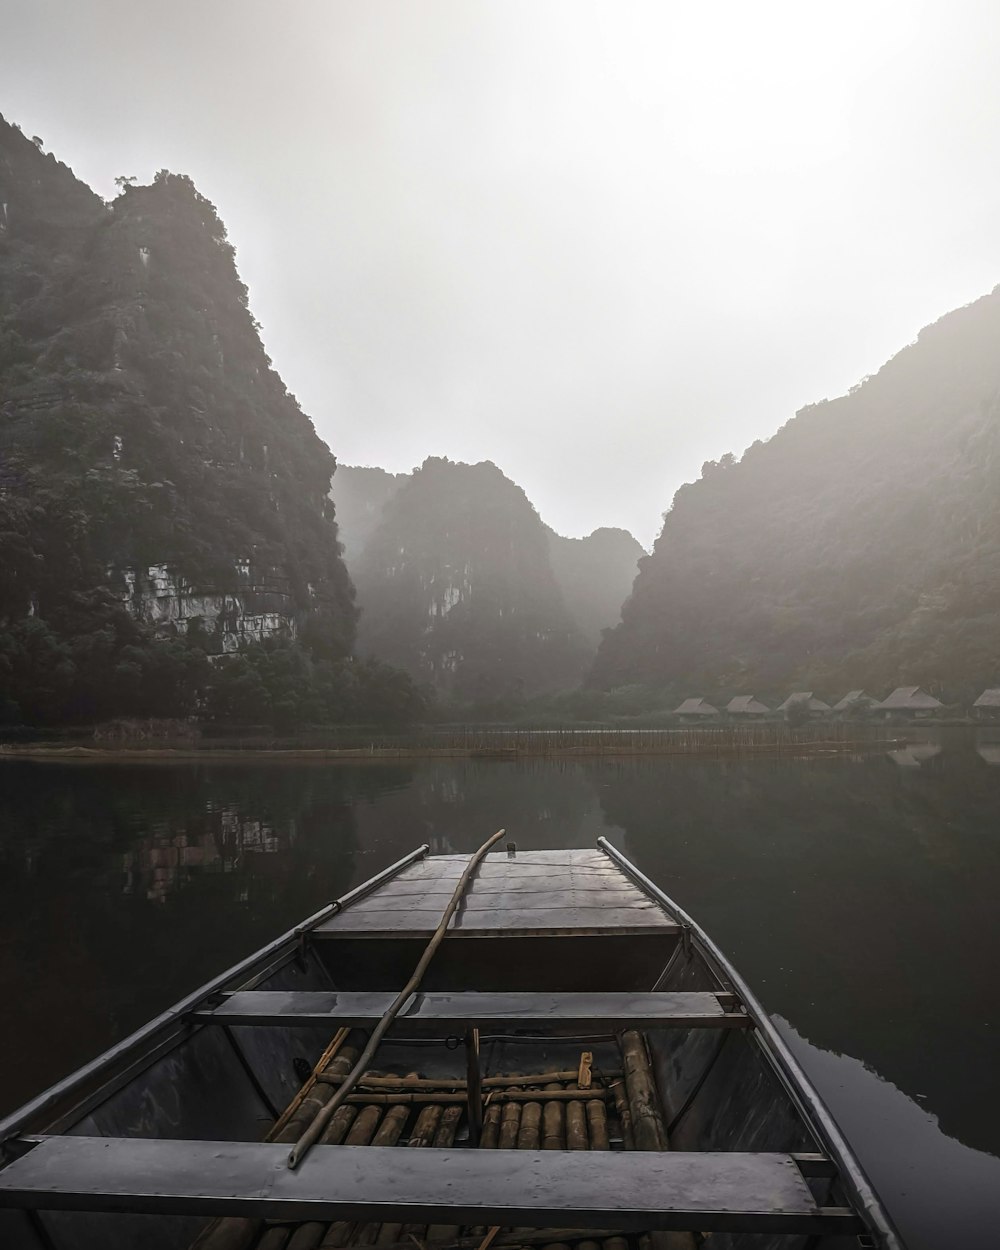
(530,893)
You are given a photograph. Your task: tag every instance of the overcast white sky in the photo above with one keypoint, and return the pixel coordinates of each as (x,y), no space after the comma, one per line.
(596,241)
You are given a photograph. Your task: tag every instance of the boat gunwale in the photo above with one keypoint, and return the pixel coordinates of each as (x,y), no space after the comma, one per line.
(790,1073)
(119,1062)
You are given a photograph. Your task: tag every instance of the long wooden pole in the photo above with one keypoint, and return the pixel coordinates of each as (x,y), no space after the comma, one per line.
(312,1133)
(647,1125)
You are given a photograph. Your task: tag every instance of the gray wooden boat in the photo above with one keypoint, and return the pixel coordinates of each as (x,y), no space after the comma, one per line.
(580,1068)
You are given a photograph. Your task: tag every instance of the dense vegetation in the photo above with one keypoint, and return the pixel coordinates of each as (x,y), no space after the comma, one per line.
(595,575)
(456,587)
(142,428)
(361,494)
(468,530)
(858,547)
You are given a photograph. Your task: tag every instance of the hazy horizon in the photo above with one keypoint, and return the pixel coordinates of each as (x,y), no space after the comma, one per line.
(596,244)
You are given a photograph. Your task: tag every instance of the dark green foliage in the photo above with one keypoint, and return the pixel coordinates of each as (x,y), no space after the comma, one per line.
(280,684)
(105,666)
(361,494)
(446,519)
(457,588)
(595,575)
(859,547)
(141,425)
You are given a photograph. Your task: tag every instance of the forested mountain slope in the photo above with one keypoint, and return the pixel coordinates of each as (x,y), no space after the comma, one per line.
(858,547)
(155,474)
(456,587)
(360,494)
(595,575)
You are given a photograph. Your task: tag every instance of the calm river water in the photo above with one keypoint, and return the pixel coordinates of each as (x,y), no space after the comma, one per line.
(859,896)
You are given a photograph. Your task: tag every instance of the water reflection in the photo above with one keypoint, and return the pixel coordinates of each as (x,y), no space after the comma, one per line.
(857,894)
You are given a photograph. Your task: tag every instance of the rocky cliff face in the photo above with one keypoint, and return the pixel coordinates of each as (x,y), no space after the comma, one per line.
(149,454)
(592,576)
(595,575)
(361,495)
(858,547)
(456,586)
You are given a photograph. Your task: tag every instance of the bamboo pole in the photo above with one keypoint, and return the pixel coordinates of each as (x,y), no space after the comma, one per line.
(576,1125)
(529,1134)
(426,1126)
(424,1131)
(554,1119)
(314,1099)
(624,1113)
(507,1240)
(273,1239)
(391,1128)
(491,1126)
(647,1124)
(321,1065)
(387,1134)
(315,1129)
(234,1232)
(597,1125)
(341,1232)
(307,1236)
(390,1084)
(445,1135)
(339,1126)
(363,1128)
(451,1097)
(443,1138)
(510,1123)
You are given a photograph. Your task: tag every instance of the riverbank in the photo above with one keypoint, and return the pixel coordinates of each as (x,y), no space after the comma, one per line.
(483,744)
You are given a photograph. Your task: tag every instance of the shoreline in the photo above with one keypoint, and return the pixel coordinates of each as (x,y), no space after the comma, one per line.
(83,755)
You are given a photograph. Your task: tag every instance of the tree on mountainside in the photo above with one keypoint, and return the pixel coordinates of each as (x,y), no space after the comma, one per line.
(858,547)
(144,437)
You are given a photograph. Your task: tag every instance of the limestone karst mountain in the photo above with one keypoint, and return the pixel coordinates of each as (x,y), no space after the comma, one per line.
(456,586)
(460,582)
(595,575)
(860,546)
(153,466)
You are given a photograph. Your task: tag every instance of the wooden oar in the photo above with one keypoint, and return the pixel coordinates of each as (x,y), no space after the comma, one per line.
(312,1133)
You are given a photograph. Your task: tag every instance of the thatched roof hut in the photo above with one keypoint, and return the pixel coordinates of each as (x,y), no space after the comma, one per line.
(855,698)
(806,699)
(910,700)
(746,705)
(988,704)
(696,707)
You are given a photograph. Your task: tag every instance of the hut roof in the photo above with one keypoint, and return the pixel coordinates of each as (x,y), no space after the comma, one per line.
(851,697)
(806,697)
(989,698)
(696,707)
(745,703)
(909,698)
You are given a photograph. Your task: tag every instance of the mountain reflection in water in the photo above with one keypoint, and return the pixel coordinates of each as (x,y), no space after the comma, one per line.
(858,895)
